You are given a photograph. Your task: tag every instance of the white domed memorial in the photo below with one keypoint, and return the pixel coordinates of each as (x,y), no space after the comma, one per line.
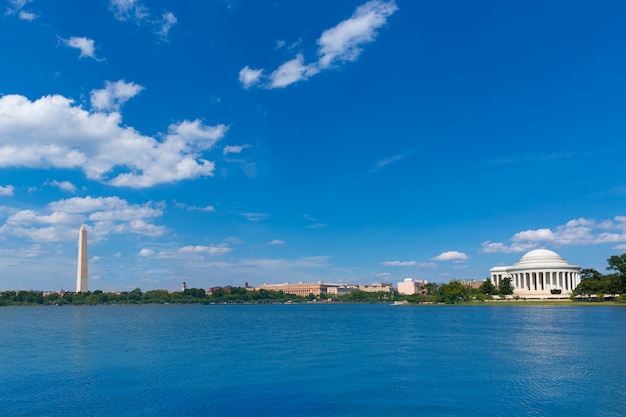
(540,273)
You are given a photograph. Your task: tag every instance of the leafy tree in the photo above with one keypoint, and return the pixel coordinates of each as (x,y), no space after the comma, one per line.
(618,264)
(453,293)
(487,287)
(506,286)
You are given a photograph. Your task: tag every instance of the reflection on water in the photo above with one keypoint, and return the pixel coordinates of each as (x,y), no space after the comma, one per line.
(310,360)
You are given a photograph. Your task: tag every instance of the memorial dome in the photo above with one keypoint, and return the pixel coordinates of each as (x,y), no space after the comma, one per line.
(541,258)
(540,272)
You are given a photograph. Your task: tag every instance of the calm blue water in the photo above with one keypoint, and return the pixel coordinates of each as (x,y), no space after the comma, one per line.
(312,360)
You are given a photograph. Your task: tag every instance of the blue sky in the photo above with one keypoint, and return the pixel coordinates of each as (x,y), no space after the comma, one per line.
(230,141)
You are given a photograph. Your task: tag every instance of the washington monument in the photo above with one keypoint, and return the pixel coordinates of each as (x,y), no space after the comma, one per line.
(81,273)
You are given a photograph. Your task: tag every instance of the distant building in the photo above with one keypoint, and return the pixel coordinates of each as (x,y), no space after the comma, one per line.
(471,283)
(411,286)
(227,289)
(183,287)
(540,272)
(303,289)
(377,287)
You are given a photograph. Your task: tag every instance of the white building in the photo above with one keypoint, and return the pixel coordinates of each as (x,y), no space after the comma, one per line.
(538,273)
(411,286)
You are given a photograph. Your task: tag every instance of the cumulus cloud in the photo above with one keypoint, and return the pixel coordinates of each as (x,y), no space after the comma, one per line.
(6,190)
(59,221)
(53,132)
(84,45)
(341,43)
(575,232)
(451,256)
(290,72)
(234,149)
(146,252)
(249,77)
(63,185)
(114,95)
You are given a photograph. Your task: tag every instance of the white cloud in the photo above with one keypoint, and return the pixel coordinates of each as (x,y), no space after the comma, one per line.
(114,95)
(17,7)
(52,132)
(85,45)
(386,161)
(207,209)
(575,232)
(275,242)
(128,9)
(213,250)
(234,149)
(63,185)
(341,43)
(60,220)
(168,20)
(249,77)
(6,190)
(29,16)
(187,251)
(451,256)
(314,224)
(134,10)
(255,217)
(399,263)
(499,247)
(290,72)
(146,252)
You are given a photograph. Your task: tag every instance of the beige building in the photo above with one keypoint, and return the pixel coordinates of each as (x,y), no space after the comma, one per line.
(539,273)
(302,288)
(411,286)
(377,287)
(471,283)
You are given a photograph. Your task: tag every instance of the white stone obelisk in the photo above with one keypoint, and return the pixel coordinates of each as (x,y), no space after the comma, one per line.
(81,273)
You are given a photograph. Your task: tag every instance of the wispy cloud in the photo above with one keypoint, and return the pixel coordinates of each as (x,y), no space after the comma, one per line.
(275,242)
(234,149)
(429,265)
(342,43)
(16,7)
(137,12)
(313,222)
(255,217)
(399,263)
(576,232)
(390,160)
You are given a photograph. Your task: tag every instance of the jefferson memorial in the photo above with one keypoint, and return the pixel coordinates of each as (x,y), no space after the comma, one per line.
(537,273)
